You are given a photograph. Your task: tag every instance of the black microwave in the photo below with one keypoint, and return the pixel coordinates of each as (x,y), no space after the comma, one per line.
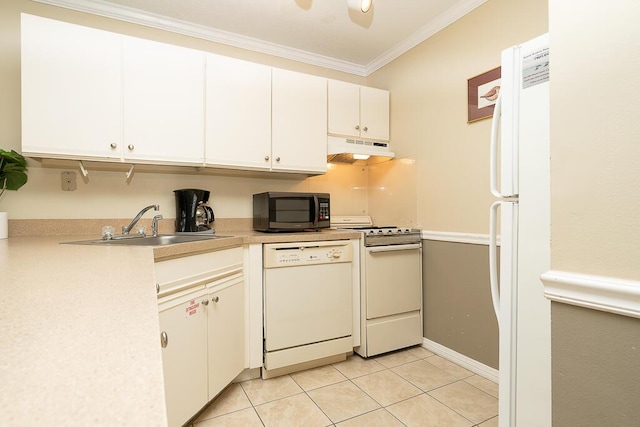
(289,211)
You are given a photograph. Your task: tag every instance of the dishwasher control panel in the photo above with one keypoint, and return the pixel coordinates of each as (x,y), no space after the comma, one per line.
(307,253)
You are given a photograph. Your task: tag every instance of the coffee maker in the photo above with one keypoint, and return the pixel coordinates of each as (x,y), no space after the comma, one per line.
(192,212)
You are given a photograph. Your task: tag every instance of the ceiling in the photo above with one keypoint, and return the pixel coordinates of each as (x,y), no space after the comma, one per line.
(319,32)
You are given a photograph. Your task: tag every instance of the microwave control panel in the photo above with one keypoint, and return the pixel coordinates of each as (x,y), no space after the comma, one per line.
(323,214)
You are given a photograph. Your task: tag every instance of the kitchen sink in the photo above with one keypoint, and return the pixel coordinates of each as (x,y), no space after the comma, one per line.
(160,240)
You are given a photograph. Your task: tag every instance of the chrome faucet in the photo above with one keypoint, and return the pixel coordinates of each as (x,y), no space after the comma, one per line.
(154,225)
(126,229)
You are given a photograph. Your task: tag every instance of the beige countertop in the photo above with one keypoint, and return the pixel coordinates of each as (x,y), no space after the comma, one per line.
(79,328)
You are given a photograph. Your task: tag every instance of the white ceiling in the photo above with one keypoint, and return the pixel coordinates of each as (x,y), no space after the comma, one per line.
(320,32)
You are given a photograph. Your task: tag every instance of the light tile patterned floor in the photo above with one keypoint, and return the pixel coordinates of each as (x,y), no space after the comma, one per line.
(411,387)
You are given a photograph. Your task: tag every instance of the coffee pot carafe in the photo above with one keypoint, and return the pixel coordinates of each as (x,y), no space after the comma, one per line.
(192,212)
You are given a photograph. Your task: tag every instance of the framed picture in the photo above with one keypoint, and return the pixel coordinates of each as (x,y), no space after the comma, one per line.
(482,93)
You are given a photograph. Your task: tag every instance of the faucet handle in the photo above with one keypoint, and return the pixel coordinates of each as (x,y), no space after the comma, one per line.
(154,224)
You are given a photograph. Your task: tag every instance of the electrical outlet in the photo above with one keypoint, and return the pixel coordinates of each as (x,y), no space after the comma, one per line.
(69,181)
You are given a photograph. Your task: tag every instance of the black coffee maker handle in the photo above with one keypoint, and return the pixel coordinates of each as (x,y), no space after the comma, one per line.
(210,216)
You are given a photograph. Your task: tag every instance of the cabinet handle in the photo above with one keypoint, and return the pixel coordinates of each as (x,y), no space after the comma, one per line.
(277,159)
(266,158)
(130,147)
(157,288)
(357,127)
(205,302)
(215,299)
(114,145)
(365,129)
(164,339)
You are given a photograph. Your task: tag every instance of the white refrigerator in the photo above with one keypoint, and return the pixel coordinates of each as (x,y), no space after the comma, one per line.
(520,180)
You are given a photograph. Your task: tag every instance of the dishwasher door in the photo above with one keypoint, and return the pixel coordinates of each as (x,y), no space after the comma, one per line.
(307,304)
(308,298)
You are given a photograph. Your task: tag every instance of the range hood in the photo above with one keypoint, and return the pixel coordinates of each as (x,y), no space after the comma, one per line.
(348,150)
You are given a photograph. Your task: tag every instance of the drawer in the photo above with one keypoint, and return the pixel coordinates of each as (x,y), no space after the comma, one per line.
(178,274)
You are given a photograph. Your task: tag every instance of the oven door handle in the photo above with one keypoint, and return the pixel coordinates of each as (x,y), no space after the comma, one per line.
(394,248)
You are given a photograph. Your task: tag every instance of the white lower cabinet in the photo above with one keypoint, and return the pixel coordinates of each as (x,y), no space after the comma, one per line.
(226,333)
(183,336)
(201,310)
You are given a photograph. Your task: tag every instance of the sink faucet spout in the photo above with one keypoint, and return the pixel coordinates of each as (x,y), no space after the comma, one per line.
(127,228)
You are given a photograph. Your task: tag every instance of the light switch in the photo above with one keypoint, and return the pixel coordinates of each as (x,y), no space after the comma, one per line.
(69,181)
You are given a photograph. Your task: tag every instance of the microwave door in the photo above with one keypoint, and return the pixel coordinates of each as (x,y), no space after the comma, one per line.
(316,211)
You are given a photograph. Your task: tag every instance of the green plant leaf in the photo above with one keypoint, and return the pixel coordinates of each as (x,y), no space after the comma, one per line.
(13,168)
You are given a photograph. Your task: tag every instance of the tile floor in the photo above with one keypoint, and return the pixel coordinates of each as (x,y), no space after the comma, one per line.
(411,387)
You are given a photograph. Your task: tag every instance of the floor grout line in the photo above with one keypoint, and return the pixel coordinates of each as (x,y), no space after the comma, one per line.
(352,381)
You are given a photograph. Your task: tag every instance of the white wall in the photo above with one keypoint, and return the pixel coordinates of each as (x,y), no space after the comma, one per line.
(595,137)
(428,88)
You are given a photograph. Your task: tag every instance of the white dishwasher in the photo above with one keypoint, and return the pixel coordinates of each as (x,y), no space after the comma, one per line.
(308,305)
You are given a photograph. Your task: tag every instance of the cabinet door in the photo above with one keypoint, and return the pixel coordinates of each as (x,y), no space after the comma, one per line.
(184,359)
(226,335)
(374,113)
(238,113)
(163,102)
(299,117)
(71,90)
(344,108)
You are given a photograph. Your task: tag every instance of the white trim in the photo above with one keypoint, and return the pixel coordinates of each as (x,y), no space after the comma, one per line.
(608,294)
(442,21)
(462,360)
(446,236)
(136,16)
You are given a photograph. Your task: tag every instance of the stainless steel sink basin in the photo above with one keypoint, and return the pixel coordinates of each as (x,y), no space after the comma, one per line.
(161,240)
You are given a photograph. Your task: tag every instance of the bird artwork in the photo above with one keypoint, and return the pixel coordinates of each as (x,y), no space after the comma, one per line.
(492,95)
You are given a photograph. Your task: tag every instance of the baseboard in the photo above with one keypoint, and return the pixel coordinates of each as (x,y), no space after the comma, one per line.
(462,360)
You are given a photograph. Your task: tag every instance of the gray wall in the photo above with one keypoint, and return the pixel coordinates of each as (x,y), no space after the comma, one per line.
(596,367)
(458,312)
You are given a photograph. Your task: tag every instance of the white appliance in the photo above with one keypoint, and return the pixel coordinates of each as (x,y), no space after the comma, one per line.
(390,285)
(521,123)
(351,150)
(308,305)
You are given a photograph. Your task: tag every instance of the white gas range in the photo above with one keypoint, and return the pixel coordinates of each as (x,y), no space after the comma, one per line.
(390,285)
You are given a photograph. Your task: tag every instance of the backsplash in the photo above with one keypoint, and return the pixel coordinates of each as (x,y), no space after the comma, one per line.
(107,194)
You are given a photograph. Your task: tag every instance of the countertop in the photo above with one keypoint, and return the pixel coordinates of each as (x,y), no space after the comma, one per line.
(79,328)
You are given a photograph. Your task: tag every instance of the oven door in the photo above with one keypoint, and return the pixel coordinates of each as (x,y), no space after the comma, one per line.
(393,276)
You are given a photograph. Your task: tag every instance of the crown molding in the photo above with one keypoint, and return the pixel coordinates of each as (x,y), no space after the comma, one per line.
(439,23)
(127,14)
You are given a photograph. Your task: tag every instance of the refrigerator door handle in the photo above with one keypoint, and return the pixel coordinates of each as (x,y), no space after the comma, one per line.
(493,258)
(493,157)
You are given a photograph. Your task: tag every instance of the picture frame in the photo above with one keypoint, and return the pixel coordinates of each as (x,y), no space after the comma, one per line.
(482,93)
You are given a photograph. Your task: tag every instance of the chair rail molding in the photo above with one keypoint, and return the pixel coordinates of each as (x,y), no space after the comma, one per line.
(610,294)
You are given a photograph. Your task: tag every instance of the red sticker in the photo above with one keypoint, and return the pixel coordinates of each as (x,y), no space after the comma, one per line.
(192,308)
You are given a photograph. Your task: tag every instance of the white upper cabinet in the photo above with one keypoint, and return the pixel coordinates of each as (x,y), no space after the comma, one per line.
(299,122)
(238,113)
(95,95)
(358,111)
(163,102)
(71,90)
